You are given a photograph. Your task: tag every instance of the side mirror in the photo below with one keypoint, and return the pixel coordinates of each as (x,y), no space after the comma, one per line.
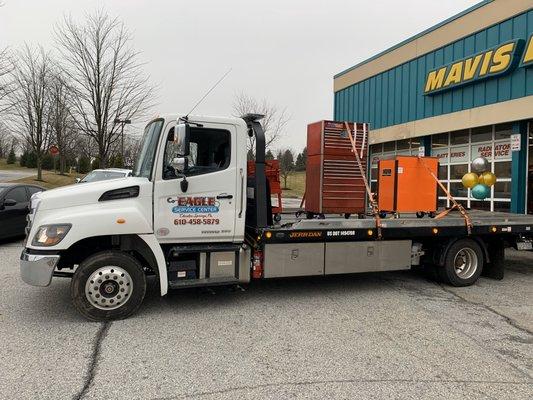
(10,202)
(181,139)
(179,164)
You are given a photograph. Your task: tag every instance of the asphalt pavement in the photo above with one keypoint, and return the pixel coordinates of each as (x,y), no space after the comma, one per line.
(370,336)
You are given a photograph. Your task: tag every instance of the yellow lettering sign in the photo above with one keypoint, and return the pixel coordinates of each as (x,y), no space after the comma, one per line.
(435,79)
(502,58)
(491,62)
(454,76)
(528,55)
(471,66)
(486,63)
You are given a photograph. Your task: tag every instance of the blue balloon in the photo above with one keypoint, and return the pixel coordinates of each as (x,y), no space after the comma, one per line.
(480,192)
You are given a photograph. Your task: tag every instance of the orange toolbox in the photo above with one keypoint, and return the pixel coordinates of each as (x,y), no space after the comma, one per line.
(334,183)
(272,174)
(406,186)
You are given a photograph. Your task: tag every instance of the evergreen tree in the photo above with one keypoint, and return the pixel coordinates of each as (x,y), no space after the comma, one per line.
(84,165)
(23,159)
(269,155)
(12,158)
(286,165)
(301,160)
(31,160)
(47,162)
(250,156)
(117,161)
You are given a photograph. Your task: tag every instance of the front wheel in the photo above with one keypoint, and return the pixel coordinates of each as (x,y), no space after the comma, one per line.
(108,285)
(463,263)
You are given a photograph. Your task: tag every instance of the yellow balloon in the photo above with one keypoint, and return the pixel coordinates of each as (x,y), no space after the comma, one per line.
(487,178)
(470,180)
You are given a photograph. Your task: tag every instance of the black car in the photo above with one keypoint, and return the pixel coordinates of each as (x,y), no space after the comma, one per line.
(14,206)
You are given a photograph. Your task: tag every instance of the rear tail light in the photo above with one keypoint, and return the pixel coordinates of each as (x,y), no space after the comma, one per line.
(257,265)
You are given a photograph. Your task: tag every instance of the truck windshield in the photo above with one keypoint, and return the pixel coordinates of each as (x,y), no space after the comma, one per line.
(145,161)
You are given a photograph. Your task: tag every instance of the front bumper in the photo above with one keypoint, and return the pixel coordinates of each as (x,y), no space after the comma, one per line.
(37,269)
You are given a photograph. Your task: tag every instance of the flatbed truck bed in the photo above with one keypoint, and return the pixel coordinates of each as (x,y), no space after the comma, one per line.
(333,228)
(335,245)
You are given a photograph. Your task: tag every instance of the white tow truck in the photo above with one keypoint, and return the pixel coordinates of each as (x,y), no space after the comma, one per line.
(192,217)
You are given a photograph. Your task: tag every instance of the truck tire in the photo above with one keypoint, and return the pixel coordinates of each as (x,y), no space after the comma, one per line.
(463,263)
(108,285)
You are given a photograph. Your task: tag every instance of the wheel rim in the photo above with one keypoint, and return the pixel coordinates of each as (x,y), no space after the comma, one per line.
(465,263)
(108,288)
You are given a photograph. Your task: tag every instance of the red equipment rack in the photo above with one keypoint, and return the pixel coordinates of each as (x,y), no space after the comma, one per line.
(334,183)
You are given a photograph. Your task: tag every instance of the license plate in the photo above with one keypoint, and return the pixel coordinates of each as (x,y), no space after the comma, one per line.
(524,246)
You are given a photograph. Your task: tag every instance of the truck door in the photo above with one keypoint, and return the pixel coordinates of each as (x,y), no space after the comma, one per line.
(206,211)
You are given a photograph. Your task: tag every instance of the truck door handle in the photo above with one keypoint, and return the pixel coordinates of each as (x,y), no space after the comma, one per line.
(224,196)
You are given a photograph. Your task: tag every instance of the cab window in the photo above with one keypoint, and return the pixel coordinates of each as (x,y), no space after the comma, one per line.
(210,151)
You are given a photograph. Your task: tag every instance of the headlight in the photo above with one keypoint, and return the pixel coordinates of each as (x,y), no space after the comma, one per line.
(50,235)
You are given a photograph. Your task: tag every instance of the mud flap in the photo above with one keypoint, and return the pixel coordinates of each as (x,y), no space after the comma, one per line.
(495,266)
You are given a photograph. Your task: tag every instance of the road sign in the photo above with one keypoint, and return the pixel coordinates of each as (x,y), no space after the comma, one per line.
(515,142)
(53,150)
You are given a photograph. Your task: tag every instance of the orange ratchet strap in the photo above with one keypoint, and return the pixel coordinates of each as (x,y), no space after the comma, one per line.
(373,203)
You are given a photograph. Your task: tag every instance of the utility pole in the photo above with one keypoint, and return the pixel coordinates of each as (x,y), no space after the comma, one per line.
(122,122)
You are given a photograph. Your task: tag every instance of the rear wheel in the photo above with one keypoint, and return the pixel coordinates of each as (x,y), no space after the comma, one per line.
(463,263)
(108,285)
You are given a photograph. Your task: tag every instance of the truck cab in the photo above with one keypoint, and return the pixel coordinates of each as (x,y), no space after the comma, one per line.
(181,217)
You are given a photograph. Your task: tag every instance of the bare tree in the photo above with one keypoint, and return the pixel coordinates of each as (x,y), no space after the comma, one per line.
(63,125)
(6,140)
(106,77)
(273,123)
(6,67)
(29,100)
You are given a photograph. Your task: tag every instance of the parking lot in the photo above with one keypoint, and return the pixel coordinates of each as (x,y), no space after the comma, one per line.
(388,335)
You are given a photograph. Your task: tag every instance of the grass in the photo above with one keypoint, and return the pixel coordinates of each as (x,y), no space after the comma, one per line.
(296,185)
(50,179)
(5,166)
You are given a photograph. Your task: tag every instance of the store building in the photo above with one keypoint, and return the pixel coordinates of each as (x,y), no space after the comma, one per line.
(458,90)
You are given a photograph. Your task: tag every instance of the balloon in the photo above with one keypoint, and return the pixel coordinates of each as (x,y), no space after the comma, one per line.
(480,165)
(470,180)
(480,192)
(487,178)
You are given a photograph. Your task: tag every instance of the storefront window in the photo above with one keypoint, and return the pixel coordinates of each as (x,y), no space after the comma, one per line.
(502,190)
(389,146)
(443,172)
(502,206)
(403,145)
(458,190)
(481,134)
(460,137)
(457,171)
(502,169)
(376,148)
(480,205)
(503,131)
(440,140)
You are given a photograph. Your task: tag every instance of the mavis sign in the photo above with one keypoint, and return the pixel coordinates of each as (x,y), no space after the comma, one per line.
(493,62)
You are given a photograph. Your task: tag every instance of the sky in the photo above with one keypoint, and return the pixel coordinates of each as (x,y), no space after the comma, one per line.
(284,51)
